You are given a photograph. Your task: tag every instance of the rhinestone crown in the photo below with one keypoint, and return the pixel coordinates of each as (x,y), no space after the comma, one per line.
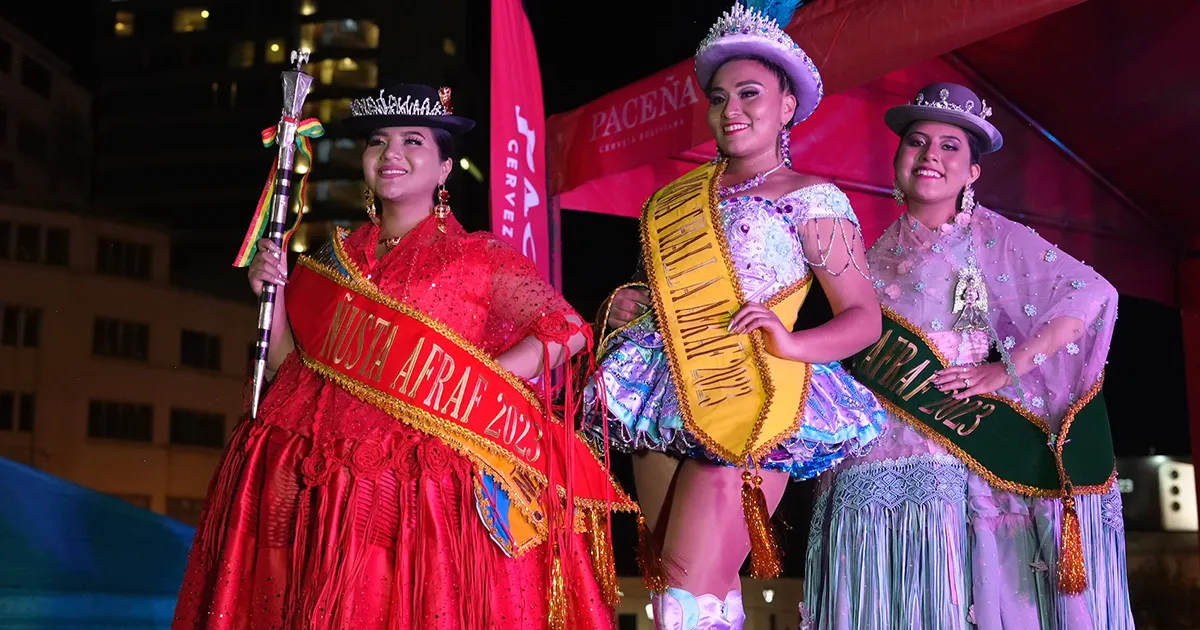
(741,20)
(390,105)
(943,102)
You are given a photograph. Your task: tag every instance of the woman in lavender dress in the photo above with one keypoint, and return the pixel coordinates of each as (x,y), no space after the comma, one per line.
(950,529)
(778,230)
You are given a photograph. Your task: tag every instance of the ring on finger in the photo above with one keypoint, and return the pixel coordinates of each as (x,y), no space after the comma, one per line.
(967,382)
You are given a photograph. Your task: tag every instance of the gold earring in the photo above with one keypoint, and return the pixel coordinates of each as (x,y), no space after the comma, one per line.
(442,209)
(369,198)
(897,194)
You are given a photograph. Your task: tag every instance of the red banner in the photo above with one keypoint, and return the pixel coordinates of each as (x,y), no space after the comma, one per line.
(519,201)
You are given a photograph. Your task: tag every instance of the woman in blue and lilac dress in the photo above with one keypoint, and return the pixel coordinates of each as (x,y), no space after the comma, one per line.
(780,229)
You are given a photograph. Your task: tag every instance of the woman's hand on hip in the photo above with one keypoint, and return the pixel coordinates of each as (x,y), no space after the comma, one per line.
(967,381)
(753,316)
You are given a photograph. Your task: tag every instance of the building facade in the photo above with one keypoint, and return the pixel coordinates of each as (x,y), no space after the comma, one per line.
(109,376)
(45,133)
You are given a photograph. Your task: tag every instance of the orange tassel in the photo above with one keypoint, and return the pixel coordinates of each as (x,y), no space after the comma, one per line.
(765,562)
(1072,577)
(602,560)
(649,558)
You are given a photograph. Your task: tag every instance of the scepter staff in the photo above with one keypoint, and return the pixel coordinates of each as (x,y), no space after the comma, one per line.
(272,212)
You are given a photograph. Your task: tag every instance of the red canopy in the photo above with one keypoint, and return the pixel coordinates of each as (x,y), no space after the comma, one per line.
(851,41)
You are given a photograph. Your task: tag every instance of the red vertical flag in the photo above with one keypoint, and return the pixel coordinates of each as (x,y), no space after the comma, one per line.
(519,201)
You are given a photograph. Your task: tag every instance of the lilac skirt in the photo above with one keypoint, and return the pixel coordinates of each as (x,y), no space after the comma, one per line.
(840,420)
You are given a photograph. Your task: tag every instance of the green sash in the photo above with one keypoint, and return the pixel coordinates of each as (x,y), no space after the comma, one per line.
(1005,444)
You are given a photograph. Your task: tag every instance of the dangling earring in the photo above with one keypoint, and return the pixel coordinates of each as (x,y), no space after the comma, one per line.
(719,158)
(897,194)
(442,209)
(785,145)
(968,202)
(369,198)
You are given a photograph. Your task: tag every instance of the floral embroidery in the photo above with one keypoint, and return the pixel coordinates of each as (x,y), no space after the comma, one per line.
(937,248)
(920,286)
(1078,284)
(1038,402)
(1072,349)
(946,228)
(878,284)
(1099,324)
(1003,277)
(1039,358)
(936,325)
(898,250)
(1050,256)
(1009,343)
(990,243)
(1030,310)
(369,459)
(893,291)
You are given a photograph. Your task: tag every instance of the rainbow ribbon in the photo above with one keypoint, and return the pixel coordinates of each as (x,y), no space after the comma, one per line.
(305,131)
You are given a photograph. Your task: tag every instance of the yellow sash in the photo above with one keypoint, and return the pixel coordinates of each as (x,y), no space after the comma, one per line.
(737,398)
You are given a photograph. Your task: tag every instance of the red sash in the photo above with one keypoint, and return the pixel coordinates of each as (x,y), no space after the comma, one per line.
(425,375)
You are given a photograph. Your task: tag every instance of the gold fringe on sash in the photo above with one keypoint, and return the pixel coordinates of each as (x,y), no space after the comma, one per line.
(602,559)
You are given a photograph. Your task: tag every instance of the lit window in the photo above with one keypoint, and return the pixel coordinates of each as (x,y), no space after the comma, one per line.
(347,72)
(449,47)
(233,94)
(275,51)
(123,24)
(241,55)
(308,7)
(359,34)
(190,20)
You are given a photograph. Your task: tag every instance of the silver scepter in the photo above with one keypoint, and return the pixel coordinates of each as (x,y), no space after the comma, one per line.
(295,88)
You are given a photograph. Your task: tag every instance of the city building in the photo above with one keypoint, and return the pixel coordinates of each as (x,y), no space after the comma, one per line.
(183,89)
(110,377)
(45,134)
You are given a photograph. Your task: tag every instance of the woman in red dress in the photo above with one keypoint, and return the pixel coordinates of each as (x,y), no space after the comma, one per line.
(352,504)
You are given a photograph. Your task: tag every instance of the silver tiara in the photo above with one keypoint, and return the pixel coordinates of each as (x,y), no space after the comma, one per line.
(944,103)
(389,105)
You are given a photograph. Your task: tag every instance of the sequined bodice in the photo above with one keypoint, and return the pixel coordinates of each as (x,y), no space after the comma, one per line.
(764,238)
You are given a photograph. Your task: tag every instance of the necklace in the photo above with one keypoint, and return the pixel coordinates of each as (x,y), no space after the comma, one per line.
(753,182)
(970,291)
(390,242)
